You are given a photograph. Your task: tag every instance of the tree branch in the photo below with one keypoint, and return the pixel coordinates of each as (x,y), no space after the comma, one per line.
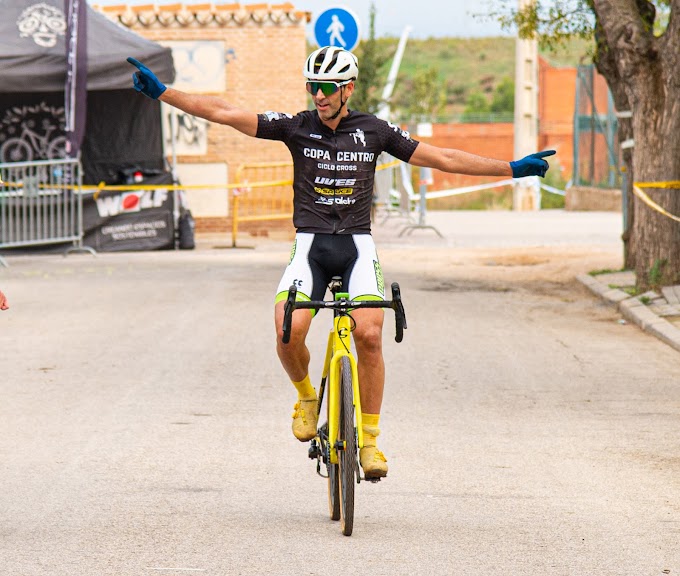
(628,33)
(670,41)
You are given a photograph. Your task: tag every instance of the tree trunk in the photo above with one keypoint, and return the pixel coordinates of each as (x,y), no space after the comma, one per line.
(606,65)
(647,68)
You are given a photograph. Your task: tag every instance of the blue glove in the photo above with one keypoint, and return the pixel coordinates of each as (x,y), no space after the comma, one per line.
(145,80)
(532,165)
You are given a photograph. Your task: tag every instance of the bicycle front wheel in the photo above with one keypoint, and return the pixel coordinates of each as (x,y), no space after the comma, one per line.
(347,458)
(333,487)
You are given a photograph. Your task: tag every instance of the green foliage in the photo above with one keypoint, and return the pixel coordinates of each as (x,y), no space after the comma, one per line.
(554,178)
(555,23)
(552,23)
(502,102)
(503,97)
(604,271)
(476,104)
(550,201)
(656,273)
(366,92)
(425,96)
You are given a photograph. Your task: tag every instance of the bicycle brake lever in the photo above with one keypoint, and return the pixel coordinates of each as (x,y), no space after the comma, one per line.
(399,313)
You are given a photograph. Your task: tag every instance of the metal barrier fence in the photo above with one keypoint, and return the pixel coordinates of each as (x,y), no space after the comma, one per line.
(393,188)
(269,197)
(40,203)
(596,150)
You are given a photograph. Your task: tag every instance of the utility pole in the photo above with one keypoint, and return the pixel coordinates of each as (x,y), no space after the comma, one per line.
(527,192)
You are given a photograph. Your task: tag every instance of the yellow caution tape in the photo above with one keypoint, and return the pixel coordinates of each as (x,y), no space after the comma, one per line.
(387,165)
(671,184)
(131,187)
(647,200)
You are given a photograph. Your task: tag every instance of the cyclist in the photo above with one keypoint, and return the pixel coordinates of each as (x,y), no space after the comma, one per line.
(334,151)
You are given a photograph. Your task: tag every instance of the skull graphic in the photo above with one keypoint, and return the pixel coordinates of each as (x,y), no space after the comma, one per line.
(43,23)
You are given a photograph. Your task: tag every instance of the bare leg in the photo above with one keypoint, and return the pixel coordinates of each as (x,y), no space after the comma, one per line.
(371,366)
(294,356)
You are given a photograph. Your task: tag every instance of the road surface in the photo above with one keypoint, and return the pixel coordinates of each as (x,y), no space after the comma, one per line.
(145,420)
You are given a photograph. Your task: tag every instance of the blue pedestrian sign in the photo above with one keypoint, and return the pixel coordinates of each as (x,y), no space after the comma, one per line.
(337,27)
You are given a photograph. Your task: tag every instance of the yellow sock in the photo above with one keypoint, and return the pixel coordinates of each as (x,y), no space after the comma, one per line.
(305,389)
(370,427)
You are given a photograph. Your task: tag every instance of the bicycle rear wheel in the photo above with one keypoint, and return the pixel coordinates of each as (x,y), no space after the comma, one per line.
(347,458)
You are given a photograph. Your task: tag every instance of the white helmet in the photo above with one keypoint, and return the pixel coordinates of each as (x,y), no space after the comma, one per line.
(331,63)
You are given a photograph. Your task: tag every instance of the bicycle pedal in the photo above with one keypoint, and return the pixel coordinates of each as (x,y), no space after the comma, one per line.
(314,451)
(373,480)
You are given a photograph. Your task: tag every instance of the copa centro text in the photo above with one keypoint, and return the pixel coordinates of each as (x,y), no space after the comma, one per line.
(341,156)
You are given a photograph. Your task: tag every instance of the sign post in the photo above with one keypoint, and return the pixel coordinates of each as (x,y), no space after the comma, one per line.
(337,27)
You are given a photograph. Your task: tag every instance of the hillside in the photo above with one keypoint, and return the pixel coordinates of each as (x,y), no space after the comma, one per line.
(465,66)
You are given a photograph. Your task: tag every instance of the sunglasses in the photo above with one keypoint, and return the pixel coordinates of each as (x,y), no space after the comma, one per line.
(327,88)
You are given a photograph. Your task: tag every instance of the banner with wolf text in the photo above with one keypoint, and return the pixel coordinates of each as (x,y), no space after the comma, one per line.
(118,220)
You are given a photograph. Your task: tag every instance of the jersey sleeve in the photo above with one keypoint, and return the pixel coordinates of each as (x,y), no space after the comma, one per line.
(396,141)
(276,125)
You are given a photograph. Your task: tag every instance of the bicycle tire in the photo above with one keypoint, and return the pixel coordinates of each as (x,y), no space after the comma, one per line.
(347,458)
(16,150)
(57,148)
(333,486)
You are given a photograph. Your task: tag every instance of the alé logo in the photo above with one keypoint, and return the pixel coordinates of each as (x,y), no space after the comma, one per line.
(108,206)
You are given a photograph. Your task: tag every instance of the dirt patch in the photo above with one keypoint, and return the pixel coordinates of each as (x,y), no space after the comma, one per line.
(516,260)
(539,270)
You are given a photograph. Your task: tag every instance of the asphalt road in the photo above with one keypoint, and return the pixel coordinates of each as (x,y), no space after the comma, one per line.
(145,420)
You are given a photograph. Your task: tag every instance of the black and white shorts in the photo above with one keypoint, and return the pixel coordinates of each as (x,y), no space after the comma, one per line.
(316,258)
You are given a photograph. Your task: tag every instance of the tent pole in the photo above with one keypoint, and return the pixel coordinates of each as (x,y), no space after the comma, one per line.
(173,168)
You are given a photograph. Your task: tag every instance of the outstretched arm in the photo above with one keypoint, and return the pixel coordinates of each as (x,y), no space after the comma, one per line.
(208,107)
(459,162)
(213,109)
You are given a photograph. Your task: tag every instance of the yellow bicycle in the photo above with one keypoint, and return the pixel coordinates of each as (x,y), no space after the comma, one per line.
(340,438)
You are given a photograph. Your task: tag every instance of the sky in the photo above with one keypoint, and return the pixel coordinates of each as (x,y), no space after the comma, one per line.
(427,18)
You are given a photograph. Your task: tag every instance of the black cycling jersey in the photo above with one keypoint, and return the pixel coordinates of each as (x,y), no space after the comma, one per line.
(334,170)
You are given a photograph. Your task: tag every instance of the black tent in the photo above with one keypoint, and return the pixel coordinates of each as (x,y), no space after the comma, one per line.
(123,130)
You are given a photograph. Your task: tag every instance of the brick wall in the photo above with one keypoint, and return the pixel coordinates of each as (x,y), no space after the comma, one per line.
(556,94)
(485,139)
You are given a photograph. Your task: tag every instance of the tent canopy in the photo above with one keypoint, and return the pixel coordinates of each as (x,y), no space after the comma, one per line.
(33,55)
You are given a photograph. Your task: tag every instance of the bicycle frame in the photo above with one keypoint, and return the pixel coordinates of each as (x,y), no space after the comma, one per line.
(339,342)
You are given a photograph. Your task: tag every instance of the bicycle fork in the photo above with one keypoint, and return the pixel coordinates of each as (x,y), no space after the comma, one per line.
(340,342)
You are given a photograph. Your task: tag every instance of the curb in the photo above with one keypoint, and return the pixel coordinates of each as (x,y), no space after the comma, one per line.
(633,310)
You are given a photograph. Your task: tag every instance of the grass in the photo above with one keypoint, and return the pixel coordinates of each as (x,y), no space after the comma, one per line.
(630,290)
(606,271)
